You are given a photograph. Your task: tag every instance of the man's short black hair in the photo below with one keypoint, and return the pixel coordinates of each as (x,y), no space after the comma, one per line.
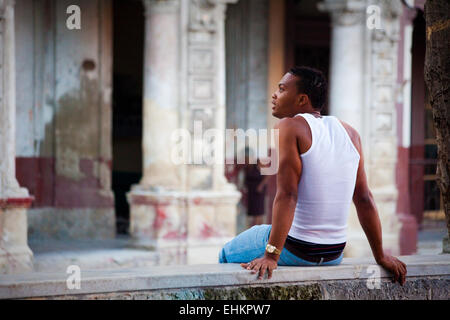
(312,82)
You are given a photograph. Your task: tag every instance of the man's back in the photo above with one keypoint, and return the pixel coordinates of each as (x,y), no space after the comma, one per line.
(327,183)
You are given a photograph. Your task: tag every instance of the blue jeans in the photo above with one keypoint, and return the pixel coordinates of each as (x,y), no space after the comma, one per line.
(251,244)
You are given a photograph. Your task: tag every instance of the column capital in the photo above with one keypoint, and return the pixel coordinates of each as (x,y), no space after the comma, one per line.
(345,12)
(342,5)
(160,6)
(202,15)
(206,14)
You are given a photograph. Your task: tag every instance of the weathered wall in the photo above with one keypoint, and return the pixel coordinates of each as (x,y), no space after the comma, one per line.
(63,88)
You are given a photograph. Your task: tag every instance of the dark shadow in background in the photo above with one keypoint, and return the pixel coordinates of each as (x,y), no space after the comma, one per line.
(308,36)
(128,39)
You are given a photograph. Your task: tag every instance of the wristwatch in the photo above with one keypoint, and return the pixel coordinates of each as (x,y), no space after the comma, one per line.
(272,249)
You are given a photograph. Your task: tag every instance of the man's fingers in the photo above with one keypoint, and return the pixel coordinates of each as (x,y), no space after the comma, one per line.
(262,271)
(269,271)
(397,275)
(259,266)
(256,267)
(401,271)
(404,270)
(403,275)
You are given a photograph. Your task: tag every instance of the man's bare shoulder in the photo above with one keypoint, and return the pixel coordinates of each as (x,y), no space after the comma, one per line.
(353,134)
(291,125)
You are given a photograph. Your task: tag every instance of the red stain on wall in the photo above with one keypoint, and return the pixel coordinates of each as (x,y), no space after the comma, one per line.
(175,235)
(143,200)
(207,231)
(160,217)
(39,176)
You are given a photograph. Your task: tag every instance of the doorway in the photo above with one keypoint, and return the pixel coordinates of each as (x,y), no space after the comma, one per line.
(308,34)
(128,49)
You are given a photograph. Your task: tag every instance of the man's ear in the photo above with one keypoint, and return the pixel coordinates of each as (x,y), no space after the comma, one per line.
(302,99)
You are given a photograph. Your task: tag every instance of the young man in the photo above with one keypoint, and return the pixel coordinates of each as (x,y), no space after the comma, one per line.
(321,169)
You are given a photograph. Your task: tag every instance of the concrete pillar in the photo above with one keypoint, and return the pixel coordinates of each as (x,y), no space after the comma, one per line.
(185,210)
(406,75)
(362,93)
(161,92)
(347,62)
(15,255)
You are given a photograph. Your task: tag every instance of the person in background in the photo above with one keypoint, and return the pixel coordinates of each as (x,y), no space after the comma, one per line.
(270,184)
(256,193)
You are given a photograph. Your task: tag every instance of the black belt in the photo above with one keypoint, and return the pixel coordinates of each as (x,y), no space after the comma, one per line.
(291,247)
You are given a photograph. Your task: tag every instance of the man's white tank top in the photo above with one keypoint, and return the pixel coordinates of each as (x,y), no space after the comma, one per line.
(327,183)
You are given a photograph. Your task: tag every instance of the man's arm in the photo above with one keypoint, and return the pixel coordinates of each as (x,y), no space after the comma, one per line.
(288,177)
(370,221)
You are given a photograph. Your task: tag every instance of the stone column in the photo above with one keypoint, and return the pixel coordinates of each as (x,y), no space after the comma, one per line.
(15,255)
(347,60)
(185,210)
(362,93)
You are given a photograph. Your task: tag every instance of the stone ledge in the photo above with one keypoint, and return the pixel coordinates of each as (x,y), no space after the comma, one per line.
(426,274)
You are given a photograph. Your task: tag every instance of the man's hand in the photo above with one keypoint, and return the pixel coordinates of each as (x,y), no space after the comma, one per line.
(261,265)
(394,266)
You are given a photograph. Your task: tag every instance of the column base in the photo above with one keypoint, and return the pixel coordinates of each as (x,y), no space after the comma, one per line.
(15,259)
(408,234)
(184,227)
(15,255)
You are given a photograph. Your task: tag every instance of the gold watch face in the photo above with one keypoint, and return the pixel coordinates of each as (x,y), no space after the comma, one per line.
(270,248)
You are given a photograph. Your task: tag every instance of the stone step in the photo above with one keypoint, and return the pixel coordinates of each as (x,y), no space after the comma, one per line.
(356,278)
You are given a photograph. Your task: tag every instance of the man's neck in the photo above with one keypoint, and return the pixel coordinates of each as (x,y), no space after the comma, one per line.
(315,113)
